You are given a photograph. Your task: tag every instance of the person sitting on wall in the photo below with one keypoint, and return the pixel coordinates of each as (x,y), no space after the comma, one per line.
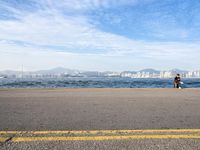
(177,81)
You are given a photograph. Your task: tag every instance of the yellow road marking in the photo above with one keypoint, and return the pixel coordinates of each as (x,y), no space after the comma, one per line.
(3,139)
(100,138)
(101,131)
(87,135)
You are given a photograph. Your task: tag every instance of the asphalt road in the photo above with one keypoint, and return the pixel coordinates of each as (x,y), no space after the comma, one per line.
(100,109)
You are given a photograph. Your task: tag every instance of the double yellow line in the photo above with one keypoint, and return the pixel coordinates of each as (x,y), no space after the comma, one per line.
(24,136)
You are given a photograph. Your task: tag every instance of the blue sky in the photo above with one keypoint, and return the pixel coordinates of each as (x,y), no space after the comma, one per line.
(100,34)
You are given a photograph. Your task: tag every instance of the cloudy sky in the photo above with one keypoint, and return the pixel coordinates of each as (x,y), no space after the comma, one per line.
(100,34)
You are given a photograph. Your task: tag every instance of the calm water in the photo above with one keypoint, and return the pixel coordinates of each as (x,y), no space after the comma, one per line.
(95,83)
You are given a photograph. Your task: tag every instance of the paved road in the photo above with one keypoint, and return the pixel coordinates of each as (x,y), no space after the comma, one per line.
(100,109)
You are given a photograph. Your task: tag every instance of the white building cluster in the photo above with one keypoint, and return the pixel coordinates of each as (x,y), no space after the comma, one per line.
(125,74)
(161,74)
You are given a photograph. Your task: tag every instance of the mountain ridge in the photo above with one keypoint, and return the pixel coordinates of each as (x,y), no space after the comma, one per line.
(60,70)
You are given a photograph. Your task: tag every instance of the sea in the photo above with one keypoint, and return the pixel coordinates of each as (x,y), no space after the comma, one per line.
(95,82)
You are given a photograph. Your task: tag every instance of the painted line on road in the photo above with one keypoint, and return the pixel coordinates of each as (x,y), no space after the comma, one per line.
(102,131)
(3,139)
(102,138)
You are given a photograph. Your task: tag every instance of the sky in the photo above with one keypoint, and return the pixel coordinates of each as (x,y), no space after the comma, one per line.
(101,35)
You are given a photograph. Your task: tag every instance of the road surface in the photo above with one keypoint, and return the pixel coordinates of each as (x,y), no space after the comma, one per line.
(99,119)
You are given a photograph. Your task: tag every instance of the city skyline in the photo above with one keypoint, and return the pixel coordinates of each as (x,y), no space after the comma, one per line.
(102,35)
(95,70)
(65,72)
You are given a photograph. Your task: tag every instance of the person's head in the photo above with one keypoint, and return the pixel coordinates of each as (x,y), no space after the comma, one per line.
(178,75)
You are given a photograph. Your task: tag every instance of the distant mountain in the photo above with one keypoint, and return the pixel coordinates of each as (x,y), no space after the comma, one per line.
(151,71)
(133,72)
(178,71)
(58,70)
(197,70)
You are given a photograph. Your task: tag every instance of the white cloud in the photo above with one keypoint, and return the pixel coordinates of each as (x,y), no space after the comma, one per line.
(157,55)
(88,4)
(34,39)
